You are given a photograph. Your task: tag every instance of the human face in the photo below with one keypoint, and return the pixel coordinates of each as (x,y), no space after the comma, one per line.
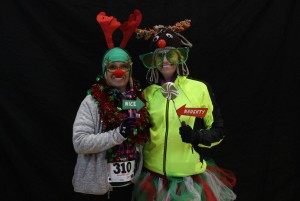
(167,69)
(117,75)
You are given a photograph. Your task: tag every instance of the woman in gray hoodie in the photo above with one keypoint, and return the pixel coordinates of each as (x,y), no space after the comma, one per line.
(111,126)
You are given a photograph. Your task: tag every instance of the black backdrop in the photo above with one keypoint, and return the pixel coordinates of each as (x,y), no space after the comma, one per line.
(51,52)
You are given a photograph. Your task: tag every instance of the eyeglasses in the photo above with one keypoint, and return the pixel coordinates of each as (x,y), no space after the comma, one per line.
(125,67)
(155,59)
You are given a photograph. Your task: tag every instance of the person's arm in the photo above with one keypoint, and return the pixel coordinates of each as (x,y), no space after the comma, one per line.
(87,136)
(202,138)
(207,132)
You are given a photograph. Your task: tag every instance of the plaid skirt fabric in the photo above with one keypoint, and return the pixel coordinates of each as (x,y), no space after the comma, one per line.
(214,184)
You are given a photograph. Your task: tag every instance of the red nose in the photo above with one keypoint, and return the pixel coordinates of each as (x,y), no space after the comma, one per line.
(161,43)
(118,73)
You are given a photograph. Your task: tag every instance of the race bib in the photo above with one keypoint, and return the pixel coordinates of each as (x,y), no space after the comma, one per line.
(121,171)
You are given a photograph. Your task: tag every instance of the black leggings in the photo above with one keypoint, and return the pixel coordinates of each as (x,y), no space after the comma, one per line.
(120,193)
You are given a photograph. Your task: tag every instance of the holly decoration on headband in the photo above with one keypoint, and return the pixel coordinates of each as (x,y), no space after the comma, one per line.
(148,33)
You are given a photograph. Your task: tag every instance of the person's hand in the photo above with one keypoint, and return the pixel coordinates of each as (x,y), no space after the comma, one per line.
(127,127)
(188,135)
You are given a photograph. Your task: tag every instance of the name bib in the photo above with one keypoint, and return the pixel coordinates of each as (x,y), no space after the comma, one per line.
(121,171)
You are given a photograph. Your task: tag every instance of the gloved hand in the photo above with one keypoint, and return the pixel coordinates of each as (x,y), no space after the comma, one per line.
(127,126)
(188,135)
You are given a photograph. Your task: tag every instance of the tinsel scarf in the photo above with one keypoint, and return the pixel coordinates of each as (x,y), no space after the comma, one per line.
(109,101)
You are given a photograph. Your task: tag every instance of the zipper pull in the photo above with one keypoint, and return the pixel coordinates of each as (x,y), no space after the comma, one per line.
(192,149)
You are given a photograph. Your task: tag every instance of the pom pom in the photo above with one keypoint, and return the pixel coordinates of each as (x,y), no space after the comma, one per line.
(118,73)
(161,43)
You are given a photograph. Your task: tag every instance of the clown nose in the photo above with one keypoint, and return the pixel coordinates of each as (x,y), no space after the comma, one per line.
(161,43)
(118,73)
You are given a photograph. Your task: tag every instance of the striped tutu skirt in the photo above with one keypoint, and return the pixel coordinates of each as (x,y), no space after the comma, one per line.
(214,184)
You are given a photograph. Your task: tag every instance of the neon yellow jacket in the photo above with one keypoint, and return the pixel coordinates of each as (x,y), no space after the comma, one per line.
(165,153)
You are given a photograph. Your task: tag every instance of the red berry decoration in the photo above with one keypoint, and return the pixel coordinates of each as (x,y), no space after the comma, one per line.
(161,43)
(118,73)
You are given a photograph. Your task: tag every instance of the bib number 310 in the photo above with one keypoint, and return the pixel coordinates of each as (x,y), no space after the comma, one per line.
(120,171)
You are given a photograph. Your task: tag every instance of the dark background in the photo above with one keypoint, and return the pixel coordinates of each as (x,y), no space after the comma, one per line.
(50,56)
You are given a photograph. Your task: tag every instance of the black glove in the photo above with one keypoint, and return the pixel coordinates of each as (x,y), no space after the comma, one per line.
(127,126)
(188,135)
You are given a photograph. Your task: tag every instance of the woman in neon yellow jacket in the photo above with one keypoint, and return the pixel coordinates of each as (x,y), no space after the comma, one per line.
(185,120)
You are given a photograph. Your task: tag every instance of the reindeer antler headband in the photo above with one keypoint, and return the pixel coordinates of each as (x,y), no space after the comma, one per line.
(148,33)
(109,24)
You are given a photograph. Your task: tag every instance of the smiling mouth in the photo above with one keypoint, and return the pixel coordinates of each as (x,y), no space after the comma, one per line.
(167,67)
(117,78)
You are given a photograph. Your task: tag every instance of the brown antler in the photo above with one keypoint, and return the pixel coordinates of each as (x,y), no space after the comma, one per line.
(129,27)
(108,24)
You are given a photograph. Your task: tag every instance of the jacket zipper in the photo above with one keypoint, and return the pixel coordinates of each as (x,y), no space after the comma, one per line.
(166,138)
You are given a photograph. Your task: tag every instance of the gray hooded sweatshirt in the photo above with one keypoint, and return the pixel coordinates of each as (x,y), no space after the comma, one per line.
(90,143)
